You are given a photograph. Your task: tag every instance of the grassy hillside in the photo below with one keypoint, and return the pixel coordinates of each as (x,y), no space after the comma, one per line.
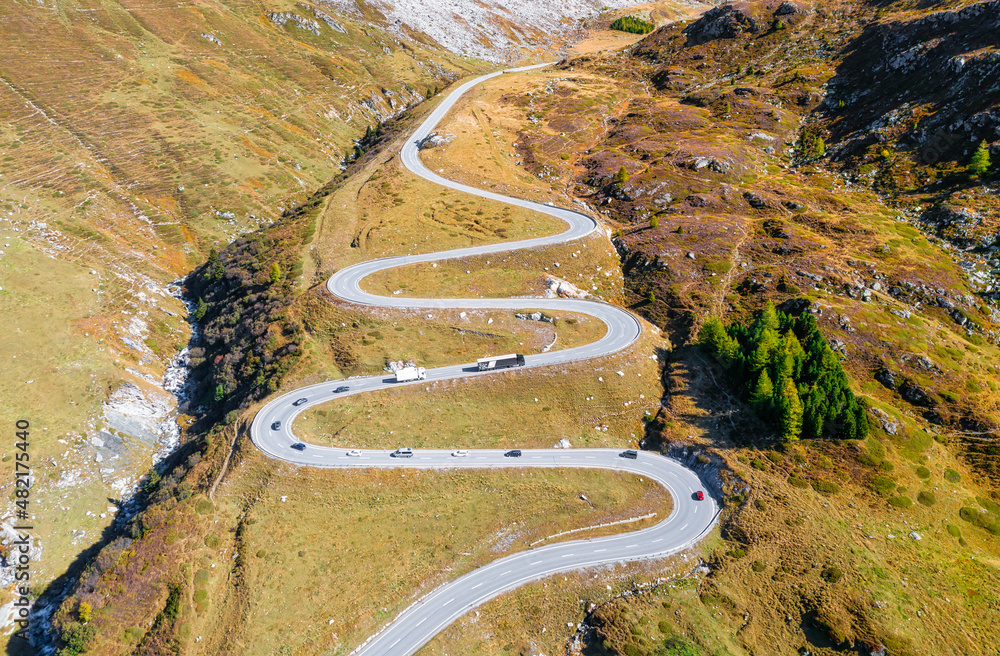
(713,151)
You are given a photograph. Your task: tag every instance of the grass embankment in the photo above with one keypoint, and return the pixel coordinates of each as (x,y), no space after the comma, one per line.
(387,536)
(494,151)
(587,403)
(386,210)
(590,264)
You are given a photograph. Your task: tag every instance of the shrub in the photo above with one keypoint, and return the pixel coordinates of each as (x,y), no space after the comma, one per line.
(203,507)
(663,626)
(85,612)
(952,476)
(826,487)
(798,482)
(76,638)
(758,566)
(985,520)
(832,574)
(760,504)
(200,595)
(212,541)
(926,498)
(923,472)
(900,502)
(738,552)
(884,485)
(134,634)
(954,531)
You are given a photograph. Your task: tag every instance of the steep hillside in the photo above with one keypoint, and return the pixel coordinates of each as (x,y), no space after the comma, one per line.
(713,149)
(135,139)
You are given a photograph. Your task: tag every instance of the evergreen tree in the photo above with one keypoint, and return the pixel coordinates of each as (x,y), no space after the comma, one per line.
(215,269)
(980,162)
(622,176)
(275,273)
(861,421)
(763,351)
(762,394)
(818,147)
(790,411)
(200,310)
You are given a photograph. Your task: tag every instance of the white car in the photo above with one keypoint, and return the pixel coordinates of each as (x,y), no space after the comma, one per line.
(354,453)
(461,453)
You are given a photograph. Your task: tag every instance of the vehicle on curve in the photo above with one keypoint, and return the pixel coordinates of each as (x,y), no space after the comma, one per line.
(495,362)
(513,453)
(699,495)
(402,452)
(341,389)
(299,446)
(300,401)
(276,425)
(630,453)
(461,453)
(354,453)
(406,374)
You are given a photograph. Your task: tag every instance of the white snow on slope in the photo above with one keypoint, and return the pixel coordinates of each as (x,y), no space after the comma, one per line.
(476,28)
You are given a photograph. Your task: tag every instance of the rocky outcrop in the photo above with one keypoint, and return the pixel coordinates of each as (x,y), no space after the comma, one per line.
(724,22)
(945,63)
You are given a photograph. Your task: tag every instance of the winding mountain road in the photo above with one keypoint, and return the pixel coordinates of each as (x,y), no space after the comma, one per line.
(689,521)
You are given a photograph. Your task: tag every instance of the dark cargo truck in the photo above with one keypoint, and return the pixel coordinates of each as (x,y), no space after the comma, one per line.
(500,362)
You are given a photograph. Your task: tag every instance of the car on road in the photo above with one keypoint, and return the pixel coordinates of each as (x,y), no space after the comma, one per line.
(276,425)
(341,389)
(354,453)
(461,453)
(632,454)
(299,446)
(402,452)
(300,401)
(699,495)
(513,453)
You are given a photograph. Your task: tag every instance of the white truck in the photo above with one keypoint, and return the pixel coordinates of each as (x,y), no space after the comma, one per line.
(406,374)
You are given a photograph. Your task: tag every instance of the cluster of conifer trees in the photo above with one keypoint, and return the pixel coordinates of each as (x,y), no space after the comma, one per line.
(789,374)
(632,24)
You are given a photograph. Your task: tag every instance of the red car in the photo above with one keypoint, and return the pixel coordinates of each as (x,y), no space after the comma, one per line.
(699,495)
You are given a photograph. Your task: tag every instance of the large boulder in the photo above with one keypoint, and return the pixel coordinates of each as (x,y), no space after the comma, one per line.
(723,22)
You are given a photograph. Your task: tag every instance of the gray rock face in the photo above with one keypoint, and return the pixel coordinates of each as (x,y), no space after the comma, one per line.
(723,22)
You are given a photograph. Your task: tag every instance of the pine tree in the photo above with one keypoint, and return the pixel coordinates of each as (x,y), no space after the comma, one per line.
(622,176)
(980,162)
(790,411)
(818,147)
(861,421)
(763,352)
(654,222)
(762,394)
(215,268)
(200,310)
(275,273)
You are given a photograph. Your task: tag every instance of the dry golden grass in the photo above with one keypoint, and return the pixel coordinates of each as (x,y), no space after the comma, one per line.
(353,548)
(587,403)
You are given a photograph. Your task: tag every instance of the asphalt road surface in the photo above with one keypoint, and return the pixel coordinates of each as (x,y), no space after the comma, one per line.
(689,521)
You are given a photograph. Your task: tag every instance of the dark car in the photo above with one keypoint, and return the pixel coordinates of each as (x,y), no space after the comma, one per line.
(299,446)
(513,453)
(342,388)
(631,453)
(300,401)
(276,425)
(699,495)
(402,452)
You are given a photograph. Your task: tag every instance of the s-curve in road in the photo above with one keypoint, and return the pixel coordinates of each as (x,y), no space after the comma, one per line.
(688,522)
